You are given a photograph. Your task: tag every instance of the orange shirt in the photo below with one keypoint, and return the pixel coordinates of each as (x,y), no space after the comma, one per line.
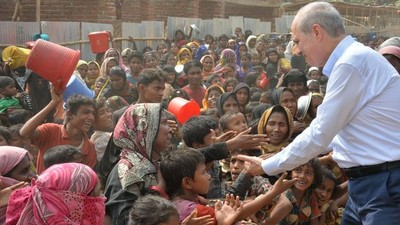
(51,134)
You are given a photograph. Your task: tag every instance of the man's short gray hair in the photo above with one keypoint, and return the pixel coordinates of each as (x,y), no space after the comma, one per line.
(321,13)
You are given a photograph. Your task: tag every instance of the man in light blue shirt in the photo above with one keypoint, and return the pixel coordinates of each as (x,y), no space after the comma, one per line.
(359,118)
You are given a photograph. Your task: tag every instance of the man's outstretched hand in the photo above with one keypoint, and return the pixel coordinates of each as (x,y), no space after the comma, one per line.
(253,164)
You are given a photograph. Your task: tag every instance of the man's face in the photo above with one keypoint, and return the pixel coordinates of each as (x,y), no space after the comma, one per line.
(83,119)
(153,92)
(307,45)
(135,65)
(194,75)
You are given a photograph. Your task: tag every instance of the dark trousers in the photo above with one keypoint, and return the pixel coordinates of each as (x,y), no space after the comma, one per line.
(374,199)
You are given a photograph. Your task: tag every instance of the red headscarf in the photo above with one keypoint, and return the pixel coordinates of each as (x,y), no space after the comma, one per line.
(59,196)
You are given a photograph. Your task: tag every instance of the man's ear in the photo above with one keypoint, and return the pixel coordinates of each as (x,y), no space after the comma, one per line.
(68,115)
(186,183)
(141,87)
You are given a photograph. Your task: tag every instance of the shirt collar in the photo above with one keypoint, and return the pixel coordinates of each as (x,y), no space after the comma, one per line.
(336,54)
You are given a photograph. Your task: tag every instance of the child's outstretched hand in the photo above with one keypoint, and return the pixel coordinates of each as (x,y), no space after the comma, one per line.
(227,212)
(282,184)
(224,137)
(245,140)
(193,220)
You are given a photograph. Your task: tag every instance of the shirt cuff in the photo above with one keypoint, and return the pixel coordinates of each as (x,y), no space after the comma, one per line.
(270,166)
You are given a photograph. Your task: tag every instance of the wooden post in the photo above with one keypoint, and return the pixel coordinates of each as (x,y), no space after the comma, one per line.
(38,15)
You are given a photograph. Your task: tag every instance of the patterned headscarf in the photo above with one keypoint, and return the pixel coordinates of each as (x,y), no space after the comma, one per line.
(262,129)
(135,133)
(61,195)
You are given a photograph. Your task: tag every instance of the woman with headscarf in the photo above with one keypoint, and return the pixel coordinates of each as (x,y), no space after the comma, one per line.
(251,44)
(93,74)
(279,135)
(272,65)
(38,96)
(184,56)
(227,102)
(142,134)
(15,166)
(242,92)
(112,52)
(67,193)
(105,68)
(228,57)
(208,66)
(119,86)
(82,67)
(211,96)
(285,97)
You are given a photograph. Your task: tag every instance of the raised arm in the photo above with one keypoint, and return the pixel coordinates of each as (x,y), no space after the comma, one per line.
(29,128)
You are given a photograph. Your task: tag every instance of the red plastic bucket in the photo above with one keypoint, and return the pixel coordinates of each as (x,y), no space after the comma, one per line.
(99,41)
(53,62)
(183,109)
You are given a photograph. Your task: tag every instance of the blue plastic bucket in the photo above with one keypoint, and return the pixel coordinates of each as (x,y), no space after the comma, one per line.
(76,86)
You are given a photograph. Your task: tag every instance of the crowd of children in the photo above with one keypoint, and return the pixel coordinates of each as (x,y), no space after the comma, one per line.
(149,168)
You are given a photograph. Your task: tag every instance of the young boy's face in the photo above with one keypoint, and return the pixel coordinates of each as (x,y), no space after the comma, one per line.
(202,180)
(236,166)
(9,90)
(84,118)
(103,121)
(255,60)
(237,123)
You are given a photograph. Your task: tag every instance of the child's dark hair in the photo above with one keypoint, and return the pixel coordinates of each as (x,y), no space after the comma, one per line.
(230,80)
(76,101)
(149,75)
(248,152)
(209,112)
(250,107)
(212,77)
(191,64)
(169,69)
(247,55)
(136,54)
(5,132)
(176,165)
(255,97)
(179,93)
(17,116)
(5,81)
(316,166)
(60,154)
(224,119)
(144,209)
(196,128)
(328,174)
(251,78)
(14,129)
